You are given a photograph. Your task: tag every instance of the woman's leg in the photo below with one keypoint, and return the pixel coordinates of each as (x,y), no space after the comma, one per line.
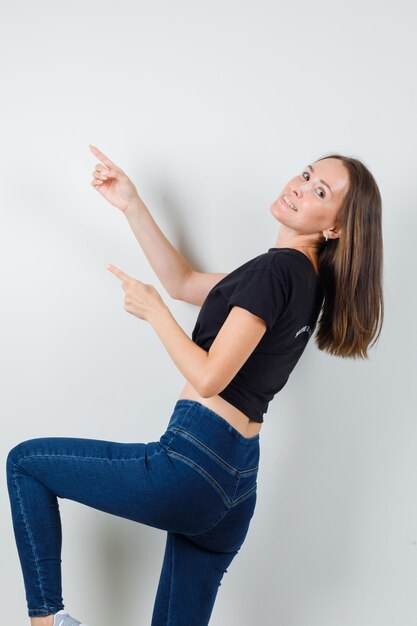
(137,481)
(198,482)
(194,563)
(189,582)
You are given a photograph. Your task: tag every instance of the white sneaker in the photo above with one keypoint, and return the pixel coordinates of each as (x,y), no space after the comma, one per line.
(62,618)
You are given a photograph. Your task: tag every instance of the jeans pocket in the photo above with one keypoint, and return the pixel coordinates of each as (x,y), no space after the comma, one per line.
(213,483)
(223,477)
(201,500)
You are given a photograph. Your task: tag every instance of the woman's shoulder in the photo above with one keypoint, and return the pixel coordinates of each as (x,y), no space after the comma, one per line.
(278,260)
(293,259)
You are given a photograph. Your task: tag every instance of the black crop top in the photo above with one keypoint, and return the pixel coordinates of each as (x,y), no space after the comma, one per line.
(282,287)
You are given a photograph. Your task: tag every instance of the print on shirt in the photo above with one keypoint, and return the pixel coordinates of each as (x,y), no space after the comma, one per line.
(304,329)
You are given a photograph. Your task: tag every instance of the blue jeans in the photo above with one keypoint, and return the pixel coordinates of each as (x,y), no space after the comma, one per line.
(198,483)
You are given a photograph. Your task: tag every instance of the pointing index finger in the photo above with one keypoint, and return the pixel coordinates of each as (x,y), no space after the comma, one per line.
(103,158)
(118,272)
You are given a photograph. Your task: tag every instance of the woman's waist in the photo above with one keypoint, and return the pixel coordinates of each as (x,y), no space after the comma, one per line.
(241,422)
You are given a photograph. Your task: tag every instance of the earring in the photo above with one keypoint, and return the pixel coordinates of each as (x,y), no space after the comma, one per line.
(326,238)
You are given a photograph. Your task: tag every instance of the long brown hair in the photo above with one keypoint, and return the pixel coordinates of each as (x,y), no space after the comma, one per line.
(350,269)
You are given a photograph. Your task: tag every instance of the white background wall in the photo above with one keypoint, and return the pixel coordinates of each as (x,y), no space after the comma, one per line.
(210,107)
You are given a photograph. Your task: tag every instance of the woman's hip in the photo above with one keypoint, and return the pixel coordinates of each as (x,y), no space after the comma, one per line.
(186,482)
(198,436)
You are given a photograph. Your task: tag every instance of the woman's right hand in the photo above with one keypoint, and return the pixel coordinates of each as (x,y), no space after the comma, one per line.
(112,183)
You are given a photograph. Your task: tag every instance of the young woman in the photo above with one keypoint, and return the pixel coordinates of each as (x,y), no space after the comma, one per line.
(198,482)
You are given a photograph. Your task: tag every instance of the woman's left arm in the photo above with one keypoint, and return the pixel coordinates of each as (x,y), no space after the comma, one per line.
(208,372)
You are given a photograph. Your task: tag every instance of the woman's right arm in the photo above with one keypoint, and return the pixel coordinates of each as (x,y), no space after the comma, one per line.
(179,279)
(168,264)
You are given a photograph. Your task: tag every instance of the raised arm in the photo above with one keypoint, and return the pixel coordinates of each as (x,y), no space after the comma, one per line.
(168,264)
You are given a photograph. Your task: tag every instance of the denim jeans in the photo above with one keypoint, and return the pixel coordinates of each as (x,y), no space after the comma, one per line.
(198,483)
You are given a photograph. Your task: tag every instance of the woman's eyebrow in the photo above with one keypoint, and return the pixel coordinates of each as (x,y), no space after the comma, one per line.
(322,181)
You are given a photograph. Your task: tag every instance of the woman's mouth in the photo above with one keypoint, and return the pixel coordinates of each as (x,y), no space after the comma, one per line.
(286,203)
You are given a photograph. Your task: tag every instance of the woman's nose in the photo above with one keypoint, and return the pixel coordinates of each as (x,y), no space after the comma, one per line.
(303,188)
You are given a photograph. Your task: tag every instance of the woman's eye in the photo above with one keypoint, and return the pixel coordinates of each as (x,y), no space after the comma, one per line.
(321,188)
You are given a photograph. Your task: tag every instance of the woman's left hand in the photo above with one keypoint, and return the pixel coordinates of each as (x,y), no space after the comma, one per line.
(141,300)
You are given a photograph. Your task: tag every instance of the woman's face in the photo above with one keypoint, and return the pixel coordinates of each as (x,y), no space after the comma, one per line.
(316,193)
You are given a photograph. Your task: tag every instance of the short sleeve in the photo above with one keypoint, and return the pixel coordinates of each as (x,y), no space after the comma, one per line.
(261,292)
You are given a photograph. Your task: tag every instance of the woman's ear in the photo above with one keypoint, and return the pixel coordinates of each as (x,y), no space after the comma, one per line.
(333,233)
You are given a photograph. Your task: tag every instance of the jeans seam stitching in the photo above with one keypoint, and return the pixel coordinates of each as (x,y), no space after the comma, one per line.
(29,535)
(173,429)
(49,610)
(205,475)
(75,456)
(248,472)
(209,451)
(171,586)
(244,496)
(224,514)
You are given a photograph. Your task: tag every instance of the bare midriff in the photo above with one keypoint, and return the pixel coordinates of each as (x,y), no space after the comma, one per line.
(241,422)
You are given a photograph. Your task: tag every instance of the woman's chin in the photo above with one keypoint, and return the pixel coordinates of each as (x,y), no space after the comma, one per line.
(276,212)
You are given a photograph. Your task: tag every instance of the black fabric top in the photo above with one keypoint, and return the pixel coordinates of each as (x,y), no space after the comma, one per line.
(282,287)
